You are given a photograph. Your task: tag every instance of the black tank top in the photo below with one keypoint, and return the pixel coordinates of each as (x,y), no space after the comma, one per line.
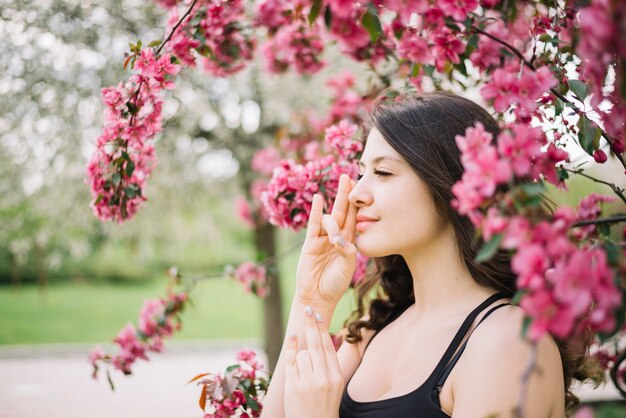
(423,402)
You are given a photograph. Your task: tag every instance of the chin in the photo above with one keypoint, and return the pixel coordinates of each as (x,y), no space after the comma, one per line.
(372,248)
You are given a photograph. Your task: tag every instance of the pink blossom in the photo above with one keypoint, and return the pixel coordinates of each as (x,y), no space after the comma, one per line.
(457,9)
(340,138)
(272,13)
(415,48)
(494,223)
(521,148)
(599,156)
(265,160)
(253,277)
(404,8)
(242,207)
(547,315)
(446,48)
(341,8)
(502,90)
(297,45)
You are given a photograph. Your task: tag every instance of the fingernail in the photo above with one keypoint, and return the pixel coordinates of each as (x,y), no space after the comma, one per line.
(338,240)
(318,317)
(308,311)
(293,336)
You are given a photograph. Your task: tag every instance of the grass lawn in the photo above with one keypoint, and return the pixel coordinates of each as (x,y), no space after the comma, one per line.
(84,312)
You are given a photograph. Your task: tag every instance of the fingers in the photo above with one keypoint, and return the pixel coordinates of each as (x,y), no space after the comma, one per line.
(315,217)
(314,340)
(292,373)
(340,207)
(332,362)
(329,225)
(349,226)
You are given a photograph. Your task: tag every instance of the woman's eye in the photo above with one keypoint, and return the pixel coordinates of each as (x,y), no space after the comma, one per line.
(381,173)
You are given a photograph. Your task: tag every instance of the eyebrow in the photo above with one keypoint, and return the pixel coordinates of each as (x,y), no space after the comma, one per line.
(381,158)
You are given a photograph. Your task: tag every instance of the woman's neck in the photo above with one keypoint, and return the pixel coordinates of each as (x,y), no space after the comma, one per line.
(441,281)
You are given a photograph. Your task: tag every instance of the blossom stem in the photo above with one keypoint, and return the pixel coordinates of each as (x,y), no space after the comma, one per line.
(525,379)
(554,91)
(180,21)
(601,221)
(266,262)
(618,191)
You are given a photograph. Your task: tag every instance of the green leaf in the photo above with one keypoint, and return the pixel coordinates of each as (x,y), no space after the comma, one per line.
(328,17)
(233,367)
(98,200)
(533,189)
(612,251)
(315,11)
(415,69)
(588,135)
(116,178)
(252,404)
(563,175)
(130,168)
(372,24)
(526,326)
(130,191)
(579,88)
(558,107)
(154,43)
(517,297)
(489,248)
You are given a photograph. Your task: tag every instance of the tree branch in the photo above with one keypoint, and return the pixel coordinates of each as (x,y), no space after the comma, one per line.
(619,192)
(602,221)
(554,91)
(525,378)
(180,21)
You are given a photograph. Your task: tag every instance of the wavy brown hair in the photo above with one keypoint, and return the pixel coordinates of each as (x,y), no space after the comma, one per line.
(423,130)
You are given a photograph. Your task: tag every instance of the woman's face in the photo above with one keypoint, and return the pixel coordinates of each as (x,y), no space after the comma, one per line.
(396,212)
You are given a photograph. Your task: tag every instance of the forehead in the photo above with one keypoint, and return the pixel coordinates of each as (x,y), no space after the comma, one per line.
(377,147)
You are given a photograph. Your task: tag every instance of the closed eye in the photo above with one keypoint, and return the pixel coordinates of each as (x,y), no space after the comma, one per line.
(376,173)
(381,173)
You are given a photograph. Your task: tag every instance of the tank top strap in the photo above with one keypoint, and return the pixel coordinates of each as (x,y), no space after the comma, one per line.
(456,341)
(448,368)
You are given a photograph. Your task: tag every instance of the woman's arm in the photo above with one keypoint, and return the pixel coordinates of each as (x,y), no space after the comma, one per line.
(488,379)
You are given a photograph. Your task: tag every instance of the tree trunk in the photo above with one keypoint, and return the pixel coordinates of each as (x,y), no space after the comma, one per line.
(265,242)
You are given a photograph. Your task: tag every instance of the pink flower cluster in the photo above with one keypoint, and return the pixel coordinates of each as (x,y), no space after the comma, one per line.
(159,318)
(214,31)
(340,138)
(237,392)
(296,45)
(289,193)
(124,155)
(253,277)
(506,89)
(518,153)
(567,289)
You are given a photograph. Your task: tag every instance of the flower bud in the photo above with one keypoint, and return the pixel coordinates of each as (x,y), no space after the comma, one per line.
(599,156)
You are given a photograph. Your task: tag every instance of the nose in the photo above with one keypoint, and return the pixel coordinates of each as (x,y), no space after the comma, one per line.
(360,195)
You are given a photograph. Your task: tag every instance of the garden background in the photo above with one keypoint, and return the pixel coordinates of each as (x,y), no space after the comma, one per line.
(67,280)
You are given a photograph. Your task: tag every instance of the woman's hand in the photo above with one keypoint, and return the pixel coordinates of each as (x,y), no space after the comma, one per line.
(313,380)
(328,258)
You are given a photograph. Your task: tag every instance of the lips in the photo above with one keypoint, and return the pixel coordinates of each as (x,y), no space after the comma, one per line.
(364,222)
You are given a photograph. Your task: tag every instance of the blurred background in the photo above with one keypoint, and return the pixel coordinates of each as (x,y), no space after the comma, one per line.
(69,281)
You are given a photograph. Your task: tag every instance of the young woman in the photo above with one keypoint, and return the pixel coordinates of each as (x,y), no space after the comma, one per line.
(440,338)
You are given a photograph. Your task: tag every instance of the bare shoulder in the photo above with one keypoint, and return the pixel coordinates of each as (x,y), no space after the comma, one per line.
(349,355)
(489,374)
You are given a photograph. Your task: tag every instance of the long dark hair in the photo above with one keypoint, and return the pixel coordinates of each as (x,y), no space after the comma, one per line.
(423,130)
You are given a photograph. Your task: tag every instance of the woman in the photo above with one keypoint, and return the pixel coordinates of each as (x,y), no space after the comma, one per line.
(442,340)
